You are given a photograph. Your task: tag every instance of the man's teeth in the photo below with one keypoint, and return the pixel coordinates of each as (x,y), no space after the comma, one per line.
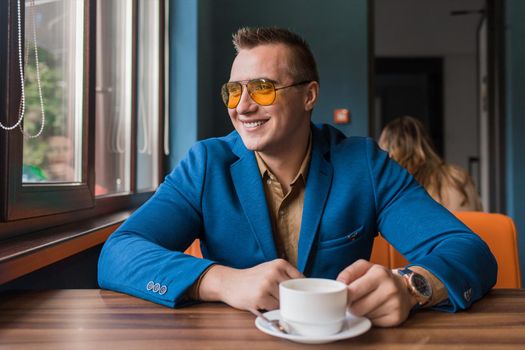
(254,124)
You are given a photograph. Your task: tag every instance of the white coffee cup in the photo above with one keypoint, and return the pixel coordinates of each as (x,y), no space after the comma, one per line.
(313,306)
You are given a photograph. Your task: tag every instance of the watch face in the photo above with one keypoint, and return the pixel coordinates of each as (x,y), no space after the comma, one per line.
(421,285)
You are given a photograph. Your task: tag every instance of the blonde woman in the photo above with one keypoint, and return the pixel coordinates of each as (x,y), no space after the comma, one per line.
(407,141)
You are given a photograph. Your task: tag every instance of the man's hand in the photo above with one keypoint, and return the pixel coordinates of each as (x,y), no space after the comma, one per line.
(253,288)
(377,293)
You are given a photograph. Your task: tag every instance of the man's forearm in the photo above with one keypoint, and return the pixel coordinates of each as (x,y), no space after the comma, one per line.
(209,287)
(193,291)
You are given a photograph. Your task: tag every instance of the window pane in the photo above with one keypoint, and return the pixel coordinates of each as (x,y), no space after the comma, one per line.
(113,101)
(56,29)
(148,93)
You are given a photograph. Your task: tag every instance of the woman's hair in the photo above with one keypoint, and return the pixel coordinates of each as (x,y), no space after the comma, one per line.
(407,141)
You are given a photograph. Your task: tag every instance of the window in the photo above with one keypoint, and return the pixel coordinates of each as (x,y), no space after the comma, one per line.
(114,96)
(115,87)
(148,92)
(52,103)
(83,134)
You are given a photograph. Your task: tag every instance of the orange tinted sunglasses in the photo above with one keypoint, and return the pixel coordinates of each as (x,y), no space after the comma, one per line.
(262,91)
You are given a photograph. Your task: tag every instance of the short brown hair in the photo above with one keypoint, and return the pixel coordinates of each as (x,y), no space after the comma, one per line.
(303,66)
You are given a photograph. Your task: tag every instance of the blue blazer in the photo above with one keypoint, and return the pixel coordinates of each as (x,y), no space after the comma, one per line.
(353,191)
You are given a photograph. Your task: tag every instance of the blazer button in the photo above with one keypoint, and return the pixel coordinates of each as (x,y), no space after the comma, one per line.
(149,286)
(163,290)
(468,294)
(156,287)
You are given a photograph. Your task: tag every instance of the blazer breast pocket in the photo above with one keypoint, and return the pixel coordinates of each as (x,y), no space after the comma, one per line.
(346,239)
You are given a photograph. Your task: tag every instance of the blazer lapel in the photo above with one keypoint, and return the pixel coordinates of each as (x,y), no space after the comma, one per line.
(248,185)
(317,189)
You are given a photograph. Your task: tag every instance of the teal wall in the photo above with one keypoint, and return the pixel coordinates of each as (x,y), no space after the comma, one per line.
(183,77)
(515,93)
(337,35)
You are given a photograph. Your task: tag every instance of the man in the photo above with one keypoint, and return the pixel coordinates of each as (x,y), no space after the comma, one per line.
(280,198)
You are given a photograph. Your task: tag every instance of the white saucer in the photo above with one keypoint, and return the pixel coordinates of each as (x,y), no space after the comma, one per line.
(353,327)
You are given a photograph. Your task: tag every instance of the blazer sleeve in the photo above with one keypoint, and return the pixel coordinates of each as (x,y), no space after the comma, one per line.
(144,257)
(427,234)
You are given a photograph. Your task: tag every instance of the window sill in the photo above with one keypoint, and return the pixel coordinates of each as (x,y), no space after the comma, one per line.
(27,253)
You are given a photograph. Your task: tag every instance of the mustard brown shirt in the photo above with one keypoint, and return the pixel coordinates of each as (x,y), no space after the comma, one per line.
(286,209)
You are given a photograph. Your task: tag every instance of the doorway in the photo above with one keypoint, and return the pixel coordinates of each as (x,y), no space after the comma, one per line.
(410,86)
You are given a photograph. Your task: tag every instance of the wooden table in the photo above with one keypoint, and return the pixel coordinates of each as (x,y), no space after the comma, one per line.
(99,319)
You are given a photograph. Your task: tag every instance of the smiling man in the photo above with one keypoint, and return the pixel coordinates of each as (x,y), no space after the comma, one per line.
(282,198)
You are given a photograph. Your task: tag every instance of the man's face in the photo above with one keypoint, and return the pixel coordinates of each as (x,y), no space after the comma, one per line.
(270,129)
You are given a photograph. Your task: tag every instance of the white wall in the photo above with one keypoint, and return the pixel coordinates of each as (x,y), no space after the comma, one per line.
(461,121)
(425,28)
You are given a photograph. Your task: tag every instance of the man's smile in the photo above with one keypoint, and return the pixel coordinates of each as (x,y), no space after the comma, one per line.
(252,124)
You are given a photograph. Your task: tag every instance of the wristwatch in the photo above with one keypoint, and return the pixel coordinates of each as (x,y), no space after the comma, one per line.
(418,286)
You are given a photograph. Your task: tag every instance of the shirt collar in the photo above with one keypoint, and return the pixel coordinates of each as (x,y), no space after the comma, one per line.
(303,170)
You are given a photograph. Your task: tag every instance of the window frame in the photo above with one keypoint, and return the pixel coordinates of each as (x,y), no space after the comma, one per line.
(38,199)
(26,208)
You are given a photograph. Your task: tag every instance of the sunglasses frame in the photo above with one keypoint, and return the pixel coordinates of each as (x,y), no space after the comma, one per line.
(242,83)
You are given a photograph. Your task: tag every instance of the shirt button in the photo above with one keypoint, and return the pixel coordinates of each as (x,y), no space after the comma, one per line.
(150,285)
(156,287)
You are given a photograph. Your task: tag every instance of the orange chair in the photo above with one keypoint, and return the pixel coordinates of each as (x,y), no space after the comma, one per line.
(497,230)
(195,249)
(381,252)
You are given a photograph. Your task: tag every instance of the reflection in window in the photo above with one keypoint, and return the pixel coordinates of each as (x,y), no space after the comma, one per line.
(54,55)
(113,98)
(148,94)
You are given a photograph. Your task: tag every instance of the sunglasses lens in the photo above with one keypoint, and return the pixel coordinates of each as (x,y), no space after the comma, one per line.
(231,94)
(262,92)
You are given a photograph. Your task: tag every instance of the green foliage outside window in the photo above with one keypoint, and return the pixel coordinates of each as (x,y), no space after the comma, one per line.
(54,96)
